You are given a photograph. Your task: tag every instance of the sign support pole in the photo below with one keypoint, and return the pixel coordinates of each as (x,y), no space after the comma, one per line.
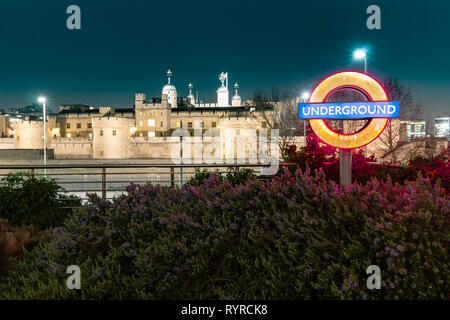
(345,167)
(181,153)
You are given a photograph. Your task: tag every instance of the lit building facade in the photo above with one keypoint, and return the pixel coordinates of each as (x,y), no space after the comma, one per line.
(413,129)
(442,127)
(146,129)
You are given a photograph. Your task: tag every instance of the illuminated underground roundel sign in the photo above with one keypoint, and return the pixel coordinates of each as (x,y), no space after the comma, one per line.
(379,110)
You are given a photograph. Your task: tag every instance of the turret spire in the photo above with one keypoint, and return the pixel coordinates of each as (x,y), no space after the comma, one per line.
(191,96)
(169,75)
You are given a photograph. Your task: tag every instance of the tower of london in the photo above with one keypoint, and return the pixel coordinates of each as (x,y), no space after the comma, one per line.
(145,130)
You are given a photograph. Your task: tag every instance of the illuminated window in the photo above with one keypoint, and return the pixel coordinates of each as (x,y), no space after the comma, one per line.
(151,134)
(151,122)
(177,124)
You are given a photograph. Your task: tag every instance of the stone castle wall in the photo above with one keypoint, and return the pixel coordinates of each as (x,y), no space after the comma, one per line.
(72,148)
(6,143)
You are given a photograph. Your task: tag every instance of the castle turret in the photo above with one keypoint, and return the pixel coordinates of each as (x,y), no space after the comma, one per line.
(222,92)
(30,135)
(111,137)
(170,91)
(236,101)
(139,99)
(191,96)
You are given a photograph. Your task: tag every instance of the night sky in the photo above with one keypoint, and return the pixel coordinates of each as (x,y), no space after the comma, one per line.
(126,47)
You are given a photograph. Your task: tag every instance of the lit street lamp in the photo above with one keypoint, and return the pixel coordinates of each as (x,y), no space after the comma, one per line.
(305,96)
(43,100)
(361,54)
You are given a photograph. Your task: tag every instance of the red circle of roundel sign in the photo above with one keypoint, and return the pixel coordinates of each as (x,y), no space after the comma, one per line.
(378,110)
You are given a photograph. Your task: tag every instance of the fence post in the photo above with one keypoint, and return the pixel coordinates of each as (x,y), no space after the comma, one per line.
(172,177)
(104,183)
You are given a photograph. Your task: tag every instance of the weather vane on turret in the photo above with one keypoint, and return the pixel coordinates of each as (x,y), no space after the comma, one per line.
(222,78)
(236,87)
(190,85)
(169,75)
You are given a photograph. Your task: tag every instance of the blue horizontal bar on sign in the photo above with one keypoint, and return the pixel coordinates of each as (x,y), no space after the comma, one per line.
(349,110)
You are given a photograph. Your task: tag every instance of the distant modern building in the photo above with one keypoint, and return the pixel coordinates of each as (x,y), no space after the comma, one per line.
(442,127)
(412,129)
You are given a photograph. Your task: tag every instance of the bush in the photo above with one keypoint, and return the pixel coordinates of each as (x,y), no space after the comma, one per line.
(233,176)
(317,155)
(14,240)
(295,237)
(27,200)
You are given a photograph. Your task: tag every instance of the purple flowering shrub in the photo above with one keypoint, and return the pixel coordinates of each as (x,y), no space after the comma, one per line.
(297,236)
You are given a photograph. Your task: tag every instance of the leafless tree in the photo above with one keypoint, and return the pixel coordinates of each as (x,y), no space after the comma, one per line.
(392,144)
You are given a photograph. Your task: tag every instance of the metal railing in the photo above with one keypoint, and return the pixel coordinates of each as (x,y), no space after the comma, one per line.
(110,180)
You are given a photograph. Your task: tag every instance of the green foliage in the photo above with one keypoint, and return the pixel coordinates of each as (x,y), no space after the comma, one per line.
(233,175)
(295,237)
(27,200)
(316,155)
(13,240)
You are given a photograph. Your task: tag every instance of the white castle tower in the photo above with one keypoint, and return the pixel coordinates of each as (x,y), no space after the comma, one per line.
(170,91)
(191,96)
(236,100)
(222,92)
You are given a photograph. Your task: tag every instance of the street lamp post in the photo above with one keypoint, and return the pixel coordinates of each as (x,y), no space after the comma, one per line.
(305,97)
(365,64)
(361,54)
(181,153)
(43,101)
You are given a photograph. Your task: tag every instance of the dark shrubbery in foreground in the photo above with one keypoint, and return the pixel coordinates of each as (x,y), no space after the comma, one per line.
(233,176)
(13,241)
(319,156)
(27,200)
(295,237)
